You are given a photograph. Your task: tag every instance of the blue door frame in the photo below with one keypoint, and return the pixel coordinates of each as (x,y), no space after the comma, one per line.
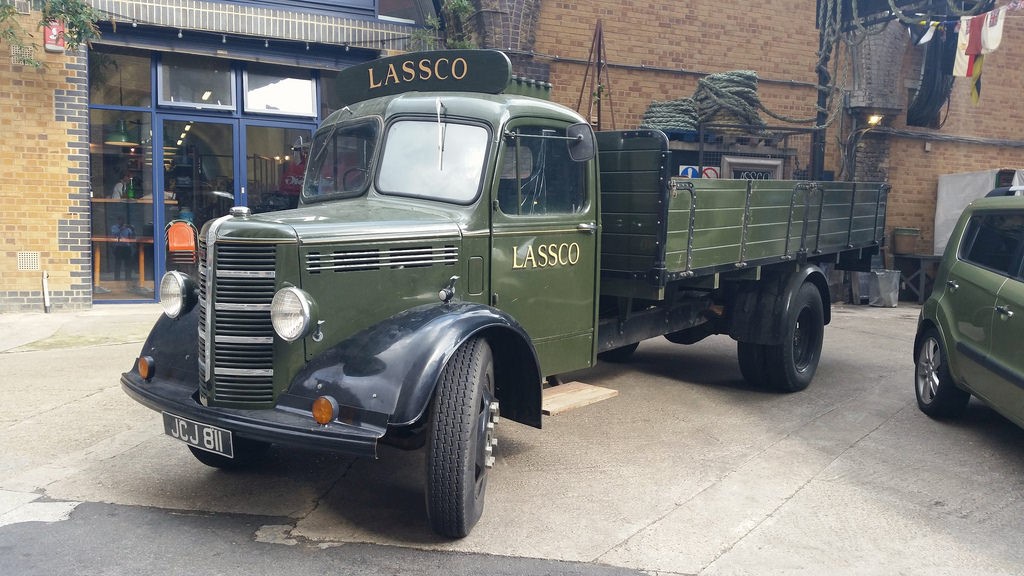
(239,153)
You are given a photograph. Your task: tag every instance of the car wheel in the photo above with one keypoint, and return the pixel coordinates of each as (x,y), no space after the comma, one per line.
(937,395)
(461,440)
(247,454)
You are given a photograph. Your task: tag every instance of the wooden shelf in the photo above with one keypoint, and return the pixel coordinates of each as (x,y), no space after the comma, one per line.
(146,200)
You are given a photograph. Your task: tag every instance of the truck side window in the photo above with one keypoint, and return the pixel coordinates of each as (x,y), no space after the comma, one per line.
(995,242)
(538,177)
(341,159)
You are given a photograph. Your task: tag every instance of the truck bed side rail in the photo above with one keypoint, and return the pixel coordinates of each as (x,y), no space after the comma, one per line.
(733,224)
(658,229)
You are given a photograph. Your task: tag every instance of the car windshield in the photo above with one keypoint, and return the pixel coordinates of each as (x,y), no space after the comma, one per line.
(340,160)
(435,160)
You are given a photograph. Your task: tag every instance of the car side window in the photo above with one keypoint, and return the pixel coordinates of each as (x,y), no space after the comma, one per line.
(995,242)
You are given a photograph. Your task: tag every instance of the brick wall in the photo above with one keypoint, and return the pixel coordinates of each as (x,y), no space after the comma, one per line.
(659,49)
(44,164)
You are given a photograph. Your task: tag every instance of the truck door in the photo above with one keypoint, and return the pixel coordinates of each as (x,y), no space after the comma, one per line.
(545,243)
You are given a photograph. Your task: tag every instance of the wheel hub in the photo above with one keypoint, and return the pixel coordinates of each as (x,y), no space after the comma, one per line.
(490,438)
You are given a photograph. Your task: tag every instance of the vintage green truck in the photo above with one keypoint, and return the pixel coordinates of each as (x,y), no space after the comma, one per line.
(455,249)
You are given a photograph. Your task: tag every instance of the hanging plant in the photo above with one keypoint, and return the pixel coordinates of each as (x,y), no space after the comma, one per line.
(448,29)
(78,18)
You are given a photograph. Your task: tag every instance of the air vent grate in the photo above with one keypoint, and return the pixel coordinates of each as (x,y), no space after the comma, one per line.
(372,259)
(28,261)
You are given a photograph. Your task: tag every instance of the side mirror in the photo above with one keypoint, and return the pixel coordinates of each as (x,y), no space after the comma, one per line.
(582,143)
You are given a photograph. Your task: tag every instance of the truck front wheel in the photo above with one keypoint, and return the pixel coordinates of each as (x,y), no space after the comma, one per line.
(791,364)
(461,439)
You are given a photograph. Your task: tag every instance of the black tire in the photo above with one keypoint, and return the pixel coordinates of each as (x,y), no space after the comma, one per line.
(791,364)
(753,362)
(620,354)
(460,440)
(937,395)
(248,453)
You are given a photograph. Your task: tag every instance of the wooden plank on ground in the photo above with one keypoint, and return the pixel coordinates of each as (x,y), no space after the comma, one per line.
(565,397)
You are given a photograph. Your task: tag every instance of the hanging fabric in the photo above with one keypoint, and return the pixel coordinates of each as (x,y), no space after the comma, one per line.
(922,33)
(976,24)
(976,78)
(962,63)
(992,31)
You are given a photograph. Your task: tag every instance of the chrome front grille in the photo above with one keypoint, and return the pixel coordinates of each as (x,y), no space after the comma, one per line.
(374,259)
(236,337)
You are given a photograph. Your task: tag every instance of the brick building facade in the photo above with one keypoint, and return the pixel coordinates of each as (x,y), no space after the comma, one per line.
(44,180)
(656,51)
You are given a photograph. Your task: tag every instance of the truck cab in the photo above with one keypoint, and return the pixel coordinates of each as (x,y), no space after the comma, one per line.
(442,259)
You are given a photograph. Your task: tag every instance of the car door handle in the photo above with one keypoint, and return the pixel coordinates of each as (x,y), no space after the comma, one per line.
(952,285)
(588,227)
(1005,311)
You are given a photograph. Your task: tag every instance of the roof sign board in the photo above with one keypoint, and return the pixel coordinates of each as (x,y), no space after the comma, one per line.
(487,71)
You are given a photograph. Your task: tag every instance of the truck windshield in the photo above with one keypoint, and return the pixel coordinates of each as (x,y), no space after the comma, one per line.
(435,160)
(340,160)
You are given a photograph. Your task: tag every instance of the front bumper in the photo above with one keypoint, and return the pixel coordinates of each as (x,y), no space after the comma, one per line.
(279,425)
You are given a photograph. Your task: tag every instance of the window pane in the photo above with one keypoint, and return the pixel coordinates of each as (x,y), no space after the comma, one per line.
(539,177)
(997,238)
(120,171)
(279,90)
(118,79)
(440,161)
(340,160)
(195,82)
(276,163)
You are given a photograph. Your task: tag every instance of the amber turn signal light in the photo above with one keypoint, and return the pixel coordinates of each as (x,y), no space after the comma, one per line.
(146,367)
(325,409)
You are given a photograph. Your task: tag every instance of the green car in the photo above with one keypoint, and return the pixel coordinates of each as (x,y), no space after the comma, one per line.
(971,328)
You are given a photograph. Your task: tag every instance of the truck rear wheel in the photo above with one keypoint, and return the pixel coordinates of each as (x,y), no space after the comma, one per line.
(791,364)
(461,440)
(753,362)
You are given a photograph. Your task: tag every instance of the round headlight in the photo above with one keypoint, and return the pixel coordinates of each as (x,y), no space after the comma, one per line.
(176,293)
(291,313)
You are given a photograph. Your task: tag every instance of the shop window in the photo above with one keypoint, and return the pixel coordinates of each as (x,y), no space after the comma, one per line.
(117,78)
(279,90)
(276,164)
(195,82)
(120,168)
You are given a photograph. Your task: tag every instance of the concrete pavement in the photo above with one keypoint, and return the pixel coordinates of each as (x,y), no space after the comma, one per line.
(687,471)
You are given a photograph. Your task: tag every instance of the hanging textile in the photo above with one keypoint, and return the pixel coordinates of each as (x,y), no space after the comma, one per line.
(976,78)
(992,30)
(962,61)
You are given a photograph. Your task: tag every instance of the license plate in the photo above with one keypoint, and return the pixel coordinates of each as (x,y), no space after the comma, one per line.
(202,436)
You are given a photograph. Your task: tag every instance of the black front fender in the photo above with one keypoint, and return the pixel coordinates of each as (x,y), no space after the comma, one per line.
(172,343)
(392,367)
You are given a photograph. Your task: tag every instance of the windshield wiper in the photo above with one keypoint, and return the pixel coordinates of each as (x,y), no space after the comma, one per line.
(440,136)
